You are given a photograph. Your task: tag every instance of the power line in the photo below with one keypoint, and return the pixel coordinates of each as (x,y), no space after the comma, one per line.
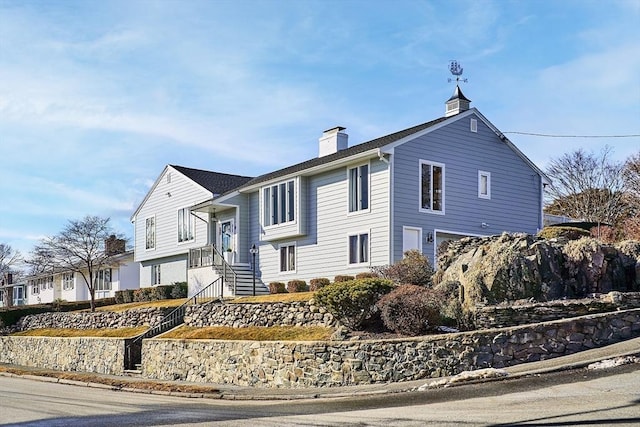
(574,136)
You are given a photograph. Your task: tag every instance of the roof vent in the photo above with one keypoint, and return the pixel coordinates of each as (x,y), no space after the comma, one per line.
(332,141)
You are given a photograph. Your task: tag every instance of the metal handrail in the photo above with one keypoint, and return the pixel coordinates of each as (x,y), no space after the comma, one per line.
(205,256)
(173,319)
(226,269)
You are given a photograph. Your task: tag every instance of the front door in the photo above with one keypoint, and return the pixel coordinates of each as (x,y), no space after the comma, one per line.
(227,240)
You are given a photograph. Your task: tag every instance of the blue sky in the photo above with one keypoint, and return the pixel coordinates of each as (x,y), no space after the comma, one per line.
(96,97)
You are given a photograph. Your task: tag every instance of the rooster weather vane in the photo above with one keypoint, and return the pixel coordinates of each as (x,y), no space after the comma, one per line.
(456,69)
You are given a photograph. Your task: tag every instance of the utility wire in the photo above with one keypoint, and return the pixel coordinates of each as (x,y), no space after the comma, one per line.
(574,136)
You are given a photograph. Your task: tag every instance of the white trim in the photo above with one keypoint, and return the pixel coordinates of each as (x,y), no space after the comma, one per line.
(155,233)
(473,125)
(295,258)
(359,233)
(296,203)
(431,163)
(192,221)
(357,167)
(486,175)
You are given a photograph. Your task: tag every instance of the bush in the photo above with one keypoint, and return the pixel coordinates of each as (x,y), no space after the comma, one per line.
(142,294)
(353,302)
(277,288)
(367,275)
(297,286)
(571,233)
(410,309)
(413,269)
(318,283)
(343,278)
(161,292)
(604,233)
(179,290)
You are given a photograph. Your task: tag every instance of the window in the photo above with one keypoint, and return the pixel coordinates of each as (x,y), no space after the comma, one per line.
(150,241)
(287,258)
(359,248)
(67,281)
(359,188)
(431,187)
(35,287)
(484,185)
(185,225)
(279,203)
(473,126)
(102,281)
(155,274)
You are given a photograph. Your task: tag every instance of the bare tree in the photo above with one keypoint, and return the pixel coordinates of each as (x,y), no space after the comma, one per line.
(80,248)
(10,261)
(587,186)
(631,174)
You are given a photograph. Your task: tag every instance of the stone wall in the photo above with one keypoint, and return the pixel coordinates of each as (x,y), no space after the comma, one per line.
(266,314)
(337,363)
(95,320)
(501,316)
(101,355)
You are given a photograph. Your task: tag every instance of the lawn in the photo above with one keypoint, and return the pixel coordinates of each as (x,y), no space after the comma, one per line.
(101,333)
(274,333)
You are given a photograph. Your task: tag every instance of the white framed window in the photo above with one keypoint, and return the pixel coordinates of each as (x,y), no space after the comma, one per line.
(155,274)
(68,281)
(358,178)
(473,125)
(35,287)
(48,282)
(185,225)
(359,248)
(287,257)
(279,203)
(150,233)
(484,184)
(431,187)
(102,280)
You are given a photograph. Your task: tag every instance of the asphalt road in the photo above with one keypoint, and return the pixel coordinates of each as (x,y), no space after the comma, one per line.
(570,398)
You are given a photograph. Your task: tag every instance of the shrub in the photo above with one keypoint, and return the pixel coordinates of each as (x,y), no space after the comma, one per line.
(142,294)
(161,292)
(343,278)
(318,283)
(367,275)
(571,233)
(179,290)
(413,269)
(604,233)
(277,288)
(127,295)
(410,309)
(297,286)
(353,302)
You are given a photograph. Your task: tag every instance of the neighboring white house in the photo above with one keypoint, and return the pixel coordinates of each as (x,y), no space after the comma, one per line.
(347,210)
(70,286)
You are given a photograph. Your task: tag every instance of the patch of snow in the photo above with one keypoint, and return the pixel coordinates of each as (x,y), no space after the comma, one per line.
(447,329)
(611,363)
(465,376)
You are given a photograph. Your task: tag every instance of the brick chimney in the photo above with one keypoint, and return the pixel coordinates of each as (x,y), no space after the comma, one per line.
(332,141)
(114,246)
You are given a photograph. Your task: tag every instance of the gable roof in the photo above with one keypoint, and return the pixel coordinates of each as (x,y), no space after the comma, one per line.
(347,152)
(215,182)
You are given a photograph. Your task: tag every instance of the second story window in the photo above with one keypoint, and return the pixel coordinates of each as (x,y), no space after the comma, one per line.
(150,233)
(484,185)
(431,187)
(278,203)
(358,188)
(185,225)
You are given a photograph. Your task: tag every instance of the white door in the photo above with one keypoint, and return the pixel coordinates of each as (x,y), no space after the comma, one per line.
(411,238)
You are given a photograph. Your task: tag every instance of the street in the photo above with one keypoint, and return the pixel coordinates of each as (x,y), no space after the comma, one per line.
(579,397)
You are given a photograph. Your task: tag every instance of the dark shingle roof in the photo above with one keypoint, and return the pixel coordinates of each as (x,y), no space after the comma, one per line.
(215,182)
(356,149)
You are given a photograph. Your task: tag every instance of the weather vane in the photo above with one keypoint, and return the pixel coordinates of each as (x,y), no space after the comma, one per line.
(456,70)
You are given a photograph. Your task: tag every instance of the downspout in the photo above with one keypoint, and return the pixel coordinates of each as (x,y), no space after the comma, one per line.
(381,157)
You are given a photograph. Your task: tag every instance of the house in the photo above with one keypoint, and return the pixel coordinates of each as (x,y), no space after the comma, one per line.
(165,228)
(123,273)
(11,294)
(355,207)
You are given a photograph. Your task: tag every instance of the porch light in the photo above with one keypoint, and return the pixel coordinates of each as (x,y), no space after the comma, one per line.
(254,251)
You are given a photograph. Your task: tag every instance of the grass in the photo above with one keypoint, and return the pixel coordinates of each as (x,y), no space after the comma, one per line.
(116,383)
(273,333)
(287,297)
(118,308)
(100,333)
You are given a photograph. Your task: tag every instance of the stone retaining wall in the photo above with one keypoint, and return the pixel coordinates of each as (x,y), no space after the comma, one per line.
(341,363)
(95,320)
(502,316)
(266,314)
(101,355)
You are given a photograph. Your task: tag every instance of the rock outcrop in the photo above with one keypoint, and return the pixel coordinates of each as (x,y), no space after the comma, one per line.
(510,267)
